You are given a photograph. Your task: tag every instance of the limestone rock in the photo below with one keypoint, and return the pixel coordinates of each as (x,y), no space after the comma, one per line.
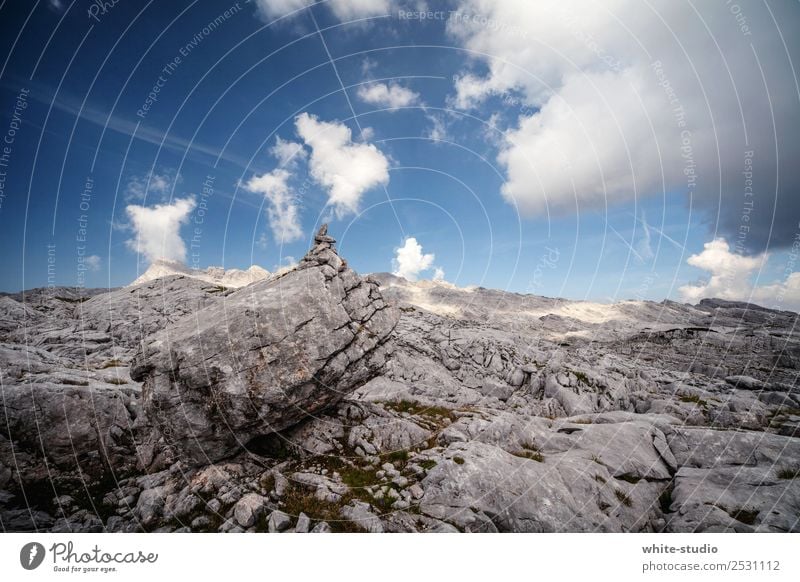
(274,353)
(278,522)
(249,508)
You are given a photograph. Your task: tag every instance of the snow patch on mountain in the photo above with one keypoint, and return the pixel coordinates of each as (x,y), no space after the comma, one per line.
(233,278)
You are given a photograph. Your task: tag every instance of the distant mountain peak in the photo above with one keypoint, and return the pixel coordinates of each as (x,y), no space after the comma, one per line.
(216,275)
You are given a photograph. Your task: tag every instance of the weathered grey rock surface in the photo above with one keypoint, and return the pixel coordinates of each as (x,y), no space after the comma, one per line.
(301,403)
(273,354)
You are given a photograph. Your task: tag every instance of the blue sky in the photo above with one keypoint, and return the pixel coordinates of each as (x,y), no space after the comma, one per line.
(457,138)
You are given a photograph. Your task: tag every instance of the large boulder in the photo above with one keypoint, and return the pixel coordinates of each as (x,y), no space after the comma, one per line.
(266,357)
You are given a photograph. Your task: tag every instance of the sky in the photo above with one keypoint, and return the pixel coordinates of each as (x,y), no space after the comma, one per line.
(589,150)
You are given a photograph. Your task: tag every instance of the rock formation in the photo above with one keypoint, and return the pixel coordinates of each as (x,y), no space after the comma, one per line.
(272,354)
(301,403)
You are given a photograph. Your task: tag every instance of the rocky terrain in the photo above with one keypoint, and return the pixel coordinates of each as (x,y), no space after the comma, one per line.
(316,400)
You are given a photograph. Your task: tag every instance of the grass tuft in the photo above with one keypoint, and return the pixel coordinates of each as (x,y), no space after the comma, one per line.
(623,497)
(530,451)
(792,472)
(695,399)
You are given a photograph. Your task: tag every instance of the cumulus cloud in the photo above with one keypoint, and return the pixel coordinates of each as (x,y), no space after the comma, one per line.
(154,184)
(612,105)
(157,229)
(346,169)
(270,9)
(391,96)
(342,9)
(731,277)
(410,261)
(352,9)
(288,153)
(283,211)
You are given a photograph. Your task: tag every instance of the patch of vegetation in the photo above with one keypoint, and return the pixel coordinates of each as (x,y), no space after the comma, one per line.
(116,381)
(695,399)
(427,464)
(299,500)
(532,455)
(530,451)
(397,456)
(792,472)
(115,363)
(267,481)
(71,382)
(436,415)
(408,309)
(582,378)
(623,497)
(412,407)
(358,477)
(402,406)
(600,479)
(458,460)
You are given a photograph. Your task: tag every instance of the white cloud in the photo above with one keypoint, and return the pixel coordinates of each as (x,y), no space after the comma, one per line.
(346,169)
(731,277)
(93,262)
(729,273)
(410,261)
(157,229)
(158,184)
(343,10)
(352,9)
(270,9)
(391,96)
(590,145)
(283,211)
(782,295)
(598,121)
(438,274)
(288,153)
(438,129)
